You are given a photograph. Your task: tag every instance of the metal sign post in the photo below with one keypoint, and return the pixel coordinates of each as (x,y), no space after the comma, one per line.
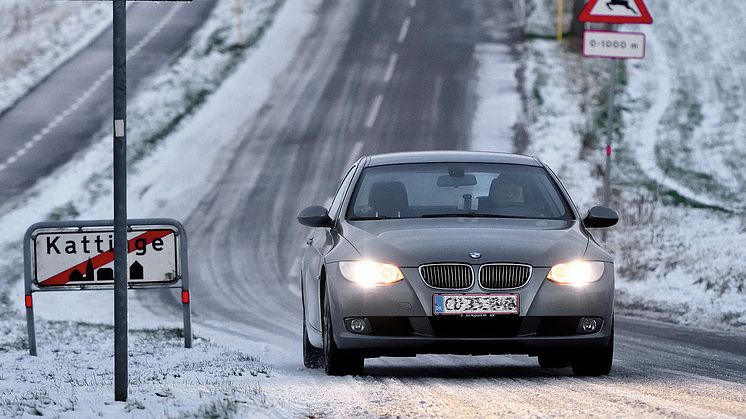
(610,132)
(120,205)
(615,46)
(120,200)
(560,19)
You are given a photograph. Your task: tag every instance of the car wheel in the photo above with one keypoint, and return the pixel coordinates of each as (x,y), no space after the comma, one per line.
(337,361)
(553,361)
(594,362)
(313,357)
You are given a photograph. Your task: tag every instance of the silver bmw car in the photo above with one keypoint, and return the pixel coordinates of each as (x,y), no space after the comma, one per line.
(457,253)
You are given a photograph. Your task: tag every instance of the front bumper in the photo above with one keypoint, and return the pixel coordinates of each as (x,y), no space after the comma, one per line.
(401,320)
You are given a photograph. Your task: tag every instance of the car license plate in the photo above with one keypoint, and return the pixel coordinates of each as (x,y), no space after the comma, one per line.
(468,304)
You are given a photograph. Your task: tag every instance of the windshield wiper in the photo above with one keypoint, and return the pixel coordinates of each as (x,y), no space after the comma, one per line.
(470,215)
(374,217)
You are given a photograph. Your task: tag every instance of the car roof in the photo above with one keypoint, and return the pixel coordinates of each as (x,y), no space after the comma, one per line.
(451,157)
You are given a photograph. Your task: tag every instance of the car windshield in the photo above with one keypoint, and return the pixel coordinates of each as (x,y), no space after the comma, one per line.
(435,190)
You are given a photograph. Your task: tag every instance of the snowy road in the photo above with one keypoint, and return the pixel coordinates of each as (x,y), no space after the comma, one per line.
(375,76)
(63,114)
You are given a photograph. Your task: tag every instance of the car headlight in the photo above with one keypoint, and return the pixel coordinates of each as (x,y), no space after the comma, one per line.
(370,273)
(577,272)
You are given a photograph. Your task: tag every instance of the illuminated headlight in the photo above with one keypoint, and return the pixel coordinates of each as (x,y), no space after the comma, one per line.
(578,272)
(370,273)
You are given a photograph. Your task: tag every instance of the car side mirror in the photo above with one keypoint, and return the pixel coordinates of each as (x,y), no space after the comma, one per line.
(315,216)
(600,217)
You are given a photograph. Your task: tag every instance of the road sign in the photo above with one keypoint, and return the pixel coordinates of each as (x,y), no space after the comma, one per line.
(85,256)
(79,255)
(607,44)
(616,11)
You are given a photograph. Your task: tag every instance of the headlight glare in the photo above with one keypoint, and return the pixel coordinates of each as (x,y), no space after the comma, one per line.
(577,272)
(370,273)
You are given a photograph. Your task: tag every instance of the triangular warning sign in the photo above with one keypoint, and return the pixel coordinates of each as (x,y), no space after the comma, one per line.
(616,11)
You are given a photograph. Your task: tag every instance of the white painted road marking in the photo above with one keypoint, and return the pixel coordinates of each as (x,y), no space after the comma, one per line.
(294,268)
(87,94)
(355,153)
(699,378)
(404,29)
(390,69)
(294,288)
(373,115)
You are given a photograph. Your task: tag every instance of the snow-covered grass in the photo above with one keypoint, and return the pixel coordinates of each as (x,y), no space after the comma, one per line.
(73,375)
(497,71)
(211,82)
(678,140)
(81,188)
(687,102)
(38,35)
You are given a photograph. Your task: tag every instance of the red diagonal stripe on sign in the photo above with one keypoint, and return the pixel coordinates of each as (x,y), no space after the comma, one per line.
(104,258)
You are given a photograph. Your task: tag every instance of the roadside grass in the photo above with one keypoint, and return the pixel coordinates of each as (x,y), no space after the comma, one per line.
(162,105)
(37,36)
(74,368)
(676,258)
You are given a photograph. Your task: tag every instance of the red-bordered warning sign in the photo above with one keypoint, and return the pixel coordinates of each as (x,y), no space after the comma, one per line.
(84,256)
(79,255)
(616,11)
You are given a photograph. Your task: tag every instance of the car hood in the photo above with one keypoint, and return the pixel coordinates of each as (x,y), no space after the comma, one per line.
(413,242)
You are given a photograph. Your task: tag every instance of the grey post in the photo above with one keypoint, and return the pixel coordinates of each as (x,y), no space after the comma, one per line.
(609,136)
(28,296)
(120,201)
(185,302)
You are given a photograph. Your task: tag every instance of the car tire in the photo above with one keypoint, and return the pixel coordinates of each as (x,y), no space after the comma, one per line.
(313,357)
(337,361)
(553,361)
(594,362)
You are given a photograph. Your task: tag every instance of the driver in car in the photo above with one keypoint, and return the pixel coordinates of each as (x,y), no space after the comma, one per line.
(507,195)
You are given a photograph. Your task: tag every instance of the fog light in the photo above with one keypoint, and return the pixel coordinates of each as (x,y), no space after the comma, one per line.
(357,325)
(589,324)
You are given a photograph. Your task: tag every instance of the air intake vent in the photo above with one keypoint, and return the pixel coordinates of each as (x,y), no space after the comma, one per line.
(448,276)
(504,276)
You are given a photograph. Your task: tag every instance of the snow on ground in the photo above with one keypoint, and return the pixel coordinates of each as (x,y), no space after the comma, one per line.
(684,138)
(38,35)
(498,97)
(81,189)
(75,357)
(73,375)
(679,146)
(689,100)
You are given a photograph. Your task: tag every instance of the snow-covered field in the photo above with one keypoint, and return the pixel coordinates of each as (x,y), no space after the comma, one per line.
(678,147)
(687,102)
(73,375)
(167,380)
(38,35)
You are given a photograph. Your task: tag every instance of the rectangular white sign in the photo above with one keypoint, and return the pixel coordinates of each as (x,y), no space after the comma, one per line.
(607,44)
(65,257)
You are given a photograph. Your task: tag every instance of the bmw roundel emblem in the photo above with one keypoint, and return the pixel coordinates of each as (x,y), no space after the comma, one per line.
(475,255)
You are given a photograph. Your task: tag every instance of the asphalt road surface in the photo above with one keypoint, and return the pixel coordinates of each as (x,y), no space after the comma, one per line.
(377,76)
(65,113)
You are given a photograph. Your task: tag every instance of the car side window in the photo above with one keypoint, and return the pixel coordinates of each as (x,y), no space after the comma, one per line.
(339,196)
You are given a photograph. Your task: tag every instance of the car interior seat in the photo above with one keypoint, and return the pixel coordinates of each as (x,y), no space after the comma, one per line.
(389,199)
